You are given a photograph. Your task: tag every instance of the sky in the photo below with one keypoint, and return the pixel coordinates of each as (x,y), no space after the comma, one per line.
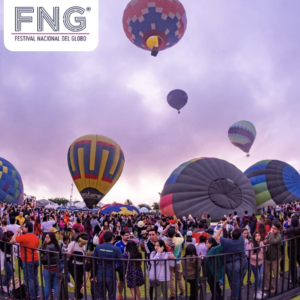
(238,60)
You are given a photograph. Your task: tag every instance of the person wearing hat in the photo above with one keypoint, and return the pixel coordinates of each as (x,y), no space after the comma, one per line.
(189,238)
(75,266)
(141,227)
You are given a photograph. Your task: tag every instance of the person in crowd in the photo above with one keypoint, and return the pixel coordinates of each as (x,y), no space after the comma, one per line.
(88,228)
(198,232)
(78,226)
(63,262)
(201,247)
(29,257)
(95,222)
(173,244)
(292,232)
(37,228)
(90,272)
(101,236)
(191,269)
(270,216)
(50,261)
(256,256)
(13,226)
(20,219)
(75,264)
(46,225)
(214,275)
(235,264)
(159,272)
(190,239)
(134,273)
(62,226)
(273,256)
(120,269)
(107,274)
(6,249)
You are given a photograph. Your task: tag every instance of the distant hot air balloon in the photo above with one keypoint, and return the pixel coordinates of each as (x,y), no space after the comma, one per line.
(207,185)
(95,163)
(274,181)
(177,99)
(242,135)
(154,25)
(11,185)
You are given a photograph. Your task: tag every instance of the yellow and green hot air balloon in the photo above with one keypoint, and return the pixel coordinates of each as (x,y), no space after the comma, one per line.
(95,162)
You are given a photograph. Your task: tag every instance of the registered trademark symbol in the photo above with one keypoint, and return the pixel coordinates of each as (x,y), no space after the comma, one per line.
(88,9)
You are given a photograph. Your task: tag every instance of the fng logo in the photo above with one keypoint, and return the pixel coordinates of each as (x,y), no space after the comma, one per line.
(51,25)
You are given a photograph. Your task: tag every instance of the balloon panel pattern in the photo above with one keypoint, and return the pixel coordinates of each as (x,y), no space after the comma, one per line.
(125,210)
(207,184)
(242,135)
(146,18)
(177,99)
(11,185)
(276,180)
(95,163)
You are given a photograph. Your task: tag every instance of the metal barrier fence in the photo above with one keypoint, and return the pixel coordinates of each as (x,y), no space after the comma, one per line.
(197,278)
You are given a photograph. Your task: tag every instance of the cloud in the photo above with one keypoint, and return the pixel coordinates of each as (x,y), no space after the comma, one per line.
(236,61)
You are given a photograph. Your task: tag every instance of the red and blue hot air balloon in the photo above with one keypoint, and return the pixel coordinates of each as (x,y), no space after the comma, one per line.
(154,25)
(177,99)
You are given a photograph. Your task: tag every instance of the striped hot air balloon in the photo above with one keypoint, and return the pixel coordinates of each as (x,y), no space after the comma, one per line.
(11,185)
(95,162)
(154,25)
(274,181)
(242,134)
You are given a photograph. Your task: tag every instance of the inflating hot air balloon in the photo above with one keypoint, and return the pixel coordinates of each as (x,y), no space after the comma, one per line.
(177,99)
(125,210)
(207,184)
(95,163)
(242,135)
(11,185)
(274,181)
(154,25)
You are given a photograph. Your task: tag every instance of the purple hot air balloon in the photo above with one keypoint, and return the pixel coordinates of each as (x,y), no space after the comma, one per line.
(177,99)
(242,135)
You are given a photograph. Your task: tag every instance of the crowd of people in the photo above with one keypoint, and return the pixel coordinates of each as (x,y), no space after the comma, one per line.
(107,253)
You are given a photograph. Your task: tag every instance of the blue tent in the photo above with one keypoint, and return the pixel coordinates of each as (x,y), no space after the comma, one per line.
(73,208)
(62,208)
(84,209)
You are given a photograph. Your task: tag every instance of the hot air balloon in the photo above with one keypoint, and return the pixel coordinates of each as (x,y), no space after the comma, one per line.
(242,135)
(95,162)
(11,185)
(126,210)
(207,184)
(154,25)
(274,181)
(177,99)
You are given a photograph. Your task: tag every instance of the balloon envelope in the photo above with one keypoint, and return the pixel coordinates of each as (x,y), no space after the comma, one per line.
(95,163)
(11,185)
(163,22)
(177,99)
(125,210)
(274,180)
(242,135)
(207,184)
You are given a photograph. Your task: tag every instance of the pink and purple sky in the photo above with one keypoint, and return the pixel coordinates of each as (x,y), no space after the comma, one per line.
(238,60)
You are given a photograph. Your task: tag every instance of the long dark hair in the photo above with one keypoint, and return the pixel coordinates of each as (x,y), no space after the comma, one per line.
(53,241)
(162,244)
(37,222)
(88,227)
(134,252)
(213,242)
(262,230)
(255,243)
(97,229)
(190,251)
